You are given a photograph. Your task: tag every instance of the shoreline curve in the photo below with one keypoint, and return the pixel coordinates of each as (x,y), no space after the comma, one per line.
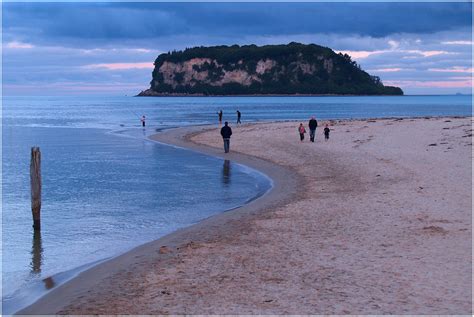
(282,191)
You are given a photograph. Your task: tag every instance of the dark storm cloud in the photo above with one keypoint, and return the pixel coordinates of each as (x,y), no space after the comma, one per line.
(55,48)
(79,23)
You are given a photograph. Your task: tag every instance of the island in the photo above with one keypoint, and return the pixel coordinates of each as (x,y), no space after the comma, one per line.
(292,69)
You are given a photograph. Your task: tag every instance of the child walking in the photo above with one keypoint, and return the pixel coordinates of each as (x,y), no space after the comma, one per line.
(302,131)
(326,133)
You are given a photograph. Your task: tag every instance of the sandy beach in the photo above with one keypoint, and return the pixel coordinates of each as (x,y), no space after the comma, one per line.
(377,220)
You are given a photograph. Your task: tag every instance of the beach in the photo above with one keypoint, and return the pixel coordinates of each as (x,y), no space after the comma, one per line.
(377,220)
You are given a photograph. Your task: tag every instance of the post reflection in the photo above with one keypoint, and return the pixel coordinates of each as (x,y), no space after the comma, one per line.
(36,252)
(49,283)
(226,172)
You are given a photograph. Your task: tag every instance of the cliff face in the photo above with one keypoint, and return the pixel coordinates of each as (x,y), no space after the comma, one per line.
(273,69)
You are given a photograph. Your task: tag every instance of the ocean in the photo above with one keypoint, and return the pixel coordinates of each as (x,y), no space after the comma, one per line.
(107,188)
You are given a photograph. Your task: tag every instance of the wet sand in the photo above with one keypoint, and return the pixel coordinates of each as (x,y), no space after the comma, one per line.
(377,220)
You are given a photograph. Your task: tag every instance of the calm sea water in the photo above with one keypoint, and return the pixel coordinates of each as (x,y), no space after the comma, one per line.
(106,188)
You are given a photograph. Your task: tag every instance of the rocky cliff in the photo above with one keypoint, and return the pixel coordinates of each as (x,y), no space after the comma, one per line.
(251,70)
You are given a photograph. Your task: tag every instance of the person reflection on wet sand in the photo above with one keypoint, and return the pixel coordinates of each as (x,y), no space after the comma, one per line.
(36,252)
(226,172)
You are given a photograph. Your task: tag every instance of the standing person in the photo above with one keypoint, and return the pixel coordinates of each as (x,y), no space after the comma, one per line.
(239,115)
(313,124)
(226,132)
(302,131)
(142,119)
(220,117)
(326,133)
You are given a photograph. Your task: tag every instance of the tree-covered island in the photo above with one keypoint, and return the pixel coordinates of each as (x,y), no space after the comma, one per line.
(291,69)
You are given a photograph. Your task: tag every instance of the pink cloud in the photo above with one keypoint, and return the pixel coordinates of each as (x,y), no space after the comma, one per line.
(18,45)
(457,42)
(71,88)
(365,54)
(460,78)
(119,66)
(360,54)
(454,69)
(430,84)
(386,70)
(114,50)
(427,53)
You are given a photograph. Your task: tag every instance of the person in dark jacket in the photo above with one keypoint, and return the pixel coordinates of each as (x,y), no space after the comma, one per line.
(313,124)
(219,114)
(239,115)
(226,132)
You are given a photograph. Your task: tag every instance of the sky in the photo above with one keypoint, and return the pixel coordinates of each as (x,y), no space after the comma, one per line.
(108,48)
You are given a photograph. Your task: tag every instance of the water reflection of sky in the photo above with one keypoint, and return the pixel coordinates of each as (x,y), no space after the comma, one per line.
(104,193)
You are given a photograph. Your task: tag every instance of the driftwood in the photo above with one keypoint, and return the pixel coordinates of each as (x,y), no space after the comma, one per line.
(35,181)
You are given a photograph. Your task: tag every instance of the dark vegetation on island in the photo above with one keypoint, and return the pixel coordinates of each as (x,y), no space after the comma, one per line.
(293,69)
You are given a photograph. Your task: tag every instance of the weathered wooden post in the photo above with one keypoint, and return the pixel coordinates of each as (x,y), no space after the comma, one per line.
(35,180)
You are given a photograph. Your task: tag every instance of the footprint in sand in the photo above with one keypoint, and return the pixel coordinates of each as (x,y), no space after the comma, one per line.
(435,230)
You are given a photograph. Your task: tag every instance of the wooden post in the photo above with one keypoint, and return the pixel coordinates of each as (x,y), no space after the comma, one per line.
(35,180)
(37,252)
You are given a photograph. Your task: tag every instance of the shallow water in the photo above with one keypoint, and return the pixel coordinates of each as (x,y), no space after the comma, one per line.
(104,192)
(106,188)
(117,112)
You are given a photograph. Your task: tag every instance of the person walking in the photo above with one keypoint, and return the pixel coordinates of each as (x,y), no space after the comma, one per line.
(326,133)
(239,115)
(302,131)
(220,117)
(313,124)
(226,132)
(142,119)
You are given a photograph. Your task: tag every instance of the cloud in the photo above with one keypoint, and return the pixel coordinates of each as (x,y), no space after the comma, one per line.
(454,69)
(73,88)
(386,70)
(120,66)
(46,70)
(362,54)
(49,44)
(457,43)
(410,53)
(87,24)
(18,45)
(426,53)
(431,84)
